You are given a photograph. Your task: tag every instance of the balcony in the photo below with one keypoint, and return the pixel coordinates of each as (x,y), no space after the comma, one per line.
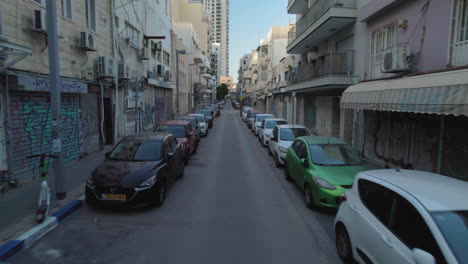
(323,19)
(297,6)
(332,70)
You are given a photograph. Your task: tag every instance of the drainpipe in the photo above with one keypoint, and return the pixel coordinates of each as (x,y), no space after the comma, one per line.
(7,122)
(115,45)
(101,126)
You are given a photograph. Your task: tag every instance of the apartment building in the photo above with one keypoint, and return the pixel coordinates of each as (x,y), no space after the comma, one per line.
(218,11)
(411,107)
(328,38)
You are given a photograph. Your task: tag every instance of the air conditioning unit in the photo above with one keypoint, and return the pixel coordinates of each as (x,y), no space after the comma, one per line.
(167,76)
(144,54)
(396,59)
(87,41)
(123,71)
(311,56)
(39,20)
(106,67)
(156,46)
(160,70)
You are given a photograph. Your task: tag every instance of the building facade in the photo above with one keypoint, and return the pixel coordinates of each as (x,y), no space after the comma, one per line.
(410,110)
(218,11)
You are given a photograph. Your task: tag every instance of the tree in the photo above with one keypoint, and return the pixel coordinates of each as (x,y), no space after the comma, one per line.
(221,91)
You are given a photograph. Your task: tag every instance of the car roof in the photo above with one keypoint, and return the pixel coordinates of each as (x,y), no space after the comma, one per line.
(275,119)
(291,126)
(435,192)
(265,114)
(148,136)
(194,115)
(322,140)
(187,117)
(173,122)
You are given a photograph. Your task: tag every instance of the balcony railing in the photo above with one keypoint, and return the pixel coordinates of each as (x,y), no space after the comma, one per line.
(317,9)
(333,63)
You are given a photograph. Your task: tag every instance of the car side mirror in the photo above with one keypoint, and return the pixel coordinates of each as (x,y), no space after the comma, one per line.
(108,154)
(423,257)
(305,163)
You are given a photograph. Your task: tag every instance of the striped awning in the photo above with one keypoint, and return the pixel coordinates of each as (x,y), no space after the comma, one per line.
(444,93)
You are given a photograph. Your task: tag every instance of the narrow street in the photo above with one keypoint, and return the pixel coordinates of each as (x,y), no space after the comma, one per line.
(232,206)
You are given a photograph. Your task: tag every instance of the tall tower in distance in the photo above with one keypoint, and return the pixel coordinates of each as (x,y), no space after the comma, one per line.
(218,10)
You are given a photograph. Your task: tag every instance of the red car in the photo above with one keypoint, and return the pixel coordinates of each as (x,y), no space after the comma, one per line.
(185,134)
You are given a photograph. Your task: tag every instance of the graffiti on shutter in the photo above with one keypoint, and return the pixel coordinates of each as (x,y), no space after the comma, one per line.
(31,129)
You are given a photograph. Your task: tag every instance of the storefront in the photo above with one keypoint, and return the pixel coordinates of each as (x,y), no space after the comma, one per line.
(30,121)
(418,122)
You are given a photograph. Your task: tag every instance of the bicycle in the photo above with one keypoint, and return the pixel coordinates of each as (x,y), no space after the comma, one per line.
(44,194)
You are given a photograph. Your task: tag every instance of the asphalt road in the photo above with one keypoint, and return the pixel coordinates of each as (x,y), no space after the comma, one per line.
(232,206)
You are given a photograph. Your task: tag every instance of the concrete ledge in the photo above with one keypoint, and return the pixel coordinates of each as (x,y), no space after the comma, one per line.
(12,247)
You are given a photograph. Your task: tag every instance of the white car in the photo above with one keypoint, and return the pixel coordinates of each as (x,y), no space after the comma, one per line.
(282,138)
(266,129)
(244,111)
(203,124)
(403,216)
(258,121)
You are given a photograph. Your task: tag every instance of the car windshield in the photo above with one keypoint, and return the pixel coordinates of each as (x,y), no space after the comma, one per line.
(192,121)
(273,124)
(333,155)
(206,113)
(253,115)
(263,117)
(290,134)
(200,118)
(454,227)
(134,150)
(177,131)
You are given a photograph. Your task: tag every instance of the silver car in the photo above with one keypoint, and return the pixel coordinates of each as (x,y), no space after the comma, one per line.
(266,129)
(258,121)
(203,124)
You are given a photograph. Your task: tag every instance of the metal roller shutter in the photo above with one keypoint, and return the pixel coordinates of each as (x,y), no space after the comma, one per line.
(32,131)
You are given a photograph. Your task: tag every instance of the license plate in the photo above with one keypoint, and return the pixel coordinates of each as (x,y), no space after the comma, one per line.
(114,197)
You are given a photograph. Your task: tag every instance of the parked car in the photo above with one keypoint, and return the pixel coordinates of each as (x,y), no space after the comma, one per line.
(323,167)
(266,129)
(202,122)
(403,216)
(258,121)
(251,117)
(195,125)
(183,131)
(215,110)
(282,138)
(243,112)
(138,171)
(208,116)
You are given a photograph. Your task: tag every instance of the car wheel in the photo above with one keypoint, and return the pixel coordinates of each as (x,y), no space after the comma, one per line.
(308,197)
(277,161)
(343,244)
(160,194)
(287,176)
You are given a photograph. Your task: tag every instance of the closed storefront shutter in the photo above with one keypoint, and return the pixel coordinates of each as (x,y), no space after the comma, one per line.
(159,105)
(31,127)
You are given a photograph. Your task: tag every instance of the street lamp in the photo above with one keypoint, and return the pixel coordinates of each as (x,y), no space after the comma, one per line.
(182,52)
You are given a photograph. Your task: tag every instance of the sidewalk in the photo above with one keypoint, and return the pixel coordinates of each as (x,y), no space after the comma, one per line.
(18,205)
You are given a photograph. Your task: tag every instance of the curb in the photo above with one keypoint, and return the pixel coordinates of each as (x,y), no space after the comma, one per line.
(12,247)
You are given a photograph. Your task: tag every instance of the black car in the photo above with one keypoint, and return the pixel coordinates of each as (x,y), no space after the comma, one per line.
(137,171)
(208,114)
(195,124)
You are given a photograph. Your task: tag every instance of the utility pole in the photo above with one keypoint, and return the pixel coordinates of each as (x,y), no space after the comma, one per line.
(177,80)
(55,97)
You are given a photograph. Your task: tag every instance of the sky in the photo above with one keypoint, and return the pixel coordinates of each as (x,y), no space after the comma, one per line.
(250,21)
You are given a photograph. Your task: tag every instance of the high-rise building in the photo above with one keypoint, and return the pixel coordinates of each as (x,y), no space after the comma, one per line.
(218,10)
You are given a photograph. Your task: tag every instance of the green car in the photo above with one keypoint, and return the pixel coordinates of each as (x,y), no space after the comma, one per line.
(323,167)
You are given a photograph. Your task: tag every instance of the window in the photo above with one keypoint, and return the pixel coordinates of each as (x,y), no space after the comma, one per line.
(67,9)
(302,151)
(334,155)
(130,150)
(382,39)
(166,58)
(377,199)
(295,145)
(460,33)
(132,34)
(91,19)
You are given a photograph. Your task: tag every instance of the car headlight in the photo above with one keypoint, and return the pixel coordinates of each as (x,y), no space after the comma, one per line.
(323,183)
(283,149)
(149,182)
(90,182)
